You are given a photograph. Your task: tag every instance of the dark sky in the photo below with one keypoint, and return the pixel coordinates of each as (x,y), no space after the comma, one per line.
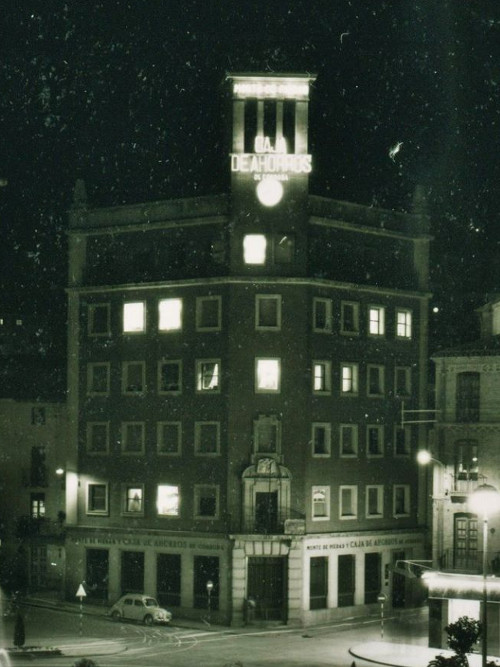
(131,97)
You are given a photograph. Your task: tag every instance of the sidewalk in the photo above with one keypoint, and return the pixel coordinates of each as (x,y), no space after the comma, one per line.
(403,655)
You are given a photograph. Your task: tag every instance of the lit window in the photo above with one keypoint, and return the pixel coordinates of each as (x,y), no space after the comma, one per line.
(321,439)
(349,317)
(466,460)
(206,501)
(322,315)
(403,323)
(376,320)
(208,375)
(320,503)
(402,380)
(97,437)
(401,441)
(169,377)
(98,379)
(349,379)
(133,377)
(267,434)
(170,314)
(268,311)
(208,313)
(169,438)
(322,377)
(97,499)
(98,319)
(168,500)
(19,323)
(348,502)
(133,499)
(375,380)
(37,505)
(134,320)
(254,249)
(401,500)
(349,440)
(374,440)
(133,437)
(374,501)
(267,375)
(206,438)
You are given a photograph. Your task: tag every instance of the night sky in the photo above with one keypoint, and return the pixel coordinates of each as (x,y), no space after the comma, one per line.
(131,97)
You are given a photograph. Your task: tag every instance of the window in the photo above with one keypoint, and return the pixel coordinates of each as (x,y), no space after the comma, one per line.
(349,317)
(401,502)
(322,377)
(374,440)
(318,582)
(267,375)
(322,315)
(267,434)
(168,500)
(206,438)
(133,499)
(208,313)
(208,375)
(97,499)
(466,460)
(97,437)
(348,502)
(373,577)
(133,437)
(374,502)
(401,441)
(134,317)
(376,320)
(37,509)
(169,377)
(375,380)
(402,380)
(254,249)
(133,377)
(467,397)
(321,439)
(346,580)
(98,379)
(98,319)
(348,440)
(169,438)
(283,248)
(268,312)
(206,501)
(349,379)
(403,323)
(320,503)
(38,468)
(38,416)
(170,315)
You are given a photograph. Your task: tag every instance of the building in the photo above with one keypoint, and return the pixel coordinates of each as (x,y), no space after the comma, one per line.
(466,455)
(236,369)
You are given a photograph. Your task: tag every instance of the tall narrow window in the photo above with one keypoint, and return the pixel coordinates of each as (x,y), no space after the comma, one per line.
(98,319)
(374,440)
(208,375)
(97,437)
(168,500)
(98,379)
(348,502)
(402,381)
(321,439)
(401,441)
(467,397)
(403,323)
(374,502)
(318,582)
(133,499)
(208,313)
(169,377)
(37,505)
(134,317)
(254,249)
(320,503)
(322,315)
(170,314)
(267,375)
(466,460)
(349,379)
(268,311)
(97,499)
(207,438)
(348,440)
(133,438)
(133,377)
(283,248)
(376,320)
(322,377)
(401,500)
(375,380)
(349,317)
(206,501)
(169,438)
(267,434)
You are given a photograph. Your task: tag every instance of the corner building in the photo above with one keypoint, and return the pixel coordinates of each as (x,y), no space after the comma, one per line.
(237,365)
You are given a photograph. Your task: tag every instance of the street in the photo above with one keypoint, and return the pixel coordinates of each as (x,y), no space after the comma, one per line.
(113,644)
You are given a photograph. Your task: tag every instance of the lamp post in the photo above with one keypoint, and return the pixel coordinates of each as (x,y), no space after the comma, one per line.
(210,588)
(381,598)
(434,513)
(484,501)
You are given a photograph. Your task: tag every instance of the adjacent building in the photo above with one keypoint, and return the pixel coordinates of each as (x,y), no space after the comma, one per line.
(236,371)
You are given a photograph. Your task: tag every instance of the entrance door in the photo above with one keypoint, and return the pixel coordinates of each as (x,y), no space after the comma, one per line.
(38,570)
(132,575)
(465,555)
(267,586)
(97,574)
(266,512)
(346,583)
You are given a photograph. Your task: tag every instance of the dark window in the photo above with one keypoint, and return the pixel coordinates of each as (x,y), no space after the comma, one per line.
(38,416)
(467,397)
(206,568)
(98,319)
(318,583)
(97,574)
(268,314)
(132,572)
(372,577)
(170,376)
(38,471)
(346,581)
(266,434)
(284,248)
(266,512)
(168,579)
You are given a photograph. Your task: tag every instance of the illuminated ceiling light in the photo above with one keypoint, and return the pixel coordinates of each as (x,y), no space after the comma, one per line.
(269,192)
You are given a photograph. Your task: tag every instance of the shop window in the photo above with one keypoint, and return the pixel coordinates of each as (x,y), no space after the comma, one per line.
(467,397)
(322,377)
(320,503)
(168,579)
(97,499)
(205,568)
(267,375)
(346,580)
(373,577)
(349,379)
(168,500)
(169,438)
(318,582)
(403,323)
(374,502)
(401,441)
(37,505)
(170,377)
(267,434)
(208,375)
(98,379)
(133,499)
(133,377)
(322,315)
(348,502)
(402,381)
(348,440)
(321,439)
(401,500)
(97,437)
(375,380)
(268,312)
(206,501)
(98,319)
(374,440)
(208,313)
(133,437)
(134,317)
(349,317)
(376,320)
(170,315)
(254,248)
(207,438)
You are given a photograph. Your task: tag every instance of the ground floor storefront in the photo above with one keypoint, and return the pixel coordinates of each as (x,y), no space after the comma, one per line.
(238,579)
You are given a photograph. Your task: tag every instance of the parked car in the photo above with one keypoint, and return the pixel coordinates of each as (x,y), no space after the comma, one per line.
(137,607)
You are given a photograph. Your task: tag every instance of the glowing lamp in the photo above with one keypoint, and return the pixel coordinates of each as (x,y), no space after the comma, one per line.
(424,457)
(269,192)
(485,500)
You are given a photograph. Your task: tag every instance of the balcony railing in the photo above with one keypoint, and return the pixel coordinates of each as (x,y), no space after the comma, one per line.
(464,484)
(28,527)
(470,562)
(284,523)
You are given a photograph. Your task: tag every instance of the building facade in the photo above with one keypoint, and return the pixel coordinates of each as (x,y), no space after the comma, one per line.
(466,452)
(236,369)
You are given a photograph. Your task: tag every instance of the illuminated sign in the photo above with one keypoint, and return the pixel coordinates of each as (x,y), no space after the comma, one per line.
(271,89)
(269,163)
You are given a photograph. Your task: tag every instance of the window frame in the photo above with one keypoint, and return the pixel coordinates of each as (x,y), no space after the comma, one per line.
(133,332)
(124,438)
(407,325)
(328,439)
(170,330)
(162,515)
(355,307)
(198,426)
(317,488)
(260,422)
(125,498)
(91,366)
(381,376)
(328,328)
(246,250)
(354,380)
(199,376)
(355,431)
(380,429)
(326,377)
(379,488)
(93,512)
(88,438)
(379,322)
(259,390)
(262,297)
(125,369)
(407,441)
(197,497)
(200,300)
(354,501)
(159,438)
(408,387)
(171,362)
(407,506)
(91,308)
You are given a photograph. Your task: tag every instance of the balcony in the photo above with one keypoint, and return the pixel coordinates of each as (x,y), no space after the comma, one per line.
(467,562)
(282,523)
(28,527)
(464,484)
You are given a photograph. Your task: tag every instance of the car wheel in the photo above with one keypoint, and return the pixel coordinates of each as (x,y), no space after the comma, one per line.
(148,620)
(115,615)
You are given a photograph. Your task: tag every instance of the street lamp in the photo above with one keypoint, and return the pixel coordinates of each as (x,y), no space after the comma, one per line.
(484,501)
(381,597)
(210,588)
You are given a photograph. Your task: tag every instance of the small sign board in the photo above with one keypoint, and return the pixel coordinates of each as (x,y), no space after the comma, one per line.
(80,593)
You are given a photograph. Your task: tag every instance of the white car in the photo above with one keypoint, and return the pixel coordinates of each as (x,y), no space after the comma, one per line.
(138,607)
